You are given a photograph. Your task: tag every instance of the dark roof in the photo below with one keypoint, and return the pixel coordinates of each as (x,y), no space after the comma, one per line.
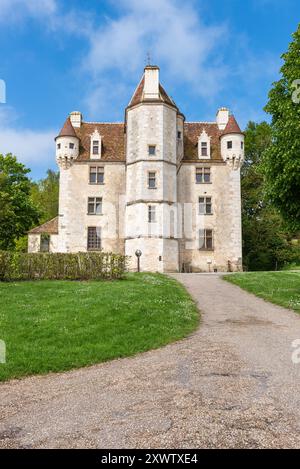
(112,137)
(192,131)
(50,227)
(232,126)
(67,130)
(138,96)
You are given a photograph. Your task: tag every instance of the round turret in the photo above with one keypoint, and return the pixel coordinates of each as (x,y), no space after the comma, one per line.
(67,145)
(232,144)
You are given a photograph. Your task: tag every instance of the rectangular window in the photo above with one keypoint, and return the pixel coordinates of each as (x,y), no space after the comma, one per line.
(152,150)
(179,135)
(96,175)
(94,238)
(71,146)
(58,146)
(206,240)
(152,180)
(242,145)
(205,206)
(95,147)
(229,145)
(204,149)
(202,175)
(95,206)
(151,213)
(45,243)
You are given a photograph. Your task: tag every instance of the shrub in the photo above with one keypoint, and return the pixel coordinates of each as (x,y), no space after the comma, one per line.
(61,266)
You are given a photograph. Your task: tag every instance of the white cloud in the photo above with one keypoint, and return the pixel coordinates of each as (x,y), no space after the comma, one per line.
(177,38)
(12,10)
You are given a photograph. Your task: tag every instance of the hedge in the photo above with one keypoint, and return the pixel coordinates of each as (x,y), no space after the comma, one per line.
(61,266)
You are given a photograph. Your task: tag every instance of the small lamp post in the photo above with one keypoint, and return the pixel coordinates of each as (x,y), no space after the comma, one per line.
(138,254)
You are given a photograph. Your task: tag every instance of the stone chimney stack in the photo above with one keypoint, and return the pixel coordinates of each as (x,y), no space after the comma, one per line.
(151,87)
(222,118)
(76,119)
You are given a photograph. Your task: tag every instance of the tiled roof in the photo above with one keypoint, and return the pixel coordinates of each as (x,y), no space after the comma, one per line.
(192,131)
(138,96)
(67,130)
(50,227)
(232,126)
(113,141)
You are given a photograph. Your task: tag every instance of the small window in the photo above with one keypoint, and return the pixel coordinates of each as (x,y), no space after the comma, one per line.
(151,213)
(242,145)
(152,180)
(203,175)
(152,150)
(71,146)
(206,240)
(179,135)
(96,175)
(205,206)
(45,243)
(204,149)
(229,145)
(58,146)
(95,147)
(94,238)
(95,205)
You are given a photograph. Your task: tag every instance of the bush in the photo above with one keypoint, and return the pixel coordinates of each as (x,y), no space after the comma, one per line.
(61,266)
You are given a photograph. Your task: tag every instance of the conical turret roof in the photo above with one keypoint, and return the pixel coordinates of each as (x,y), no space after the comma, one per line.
(67,129)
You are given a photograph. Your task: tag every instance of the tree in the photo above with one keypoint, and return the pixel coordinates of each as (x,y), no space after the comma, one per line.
(265,236)
(17,212)
(282,159)
(45,195)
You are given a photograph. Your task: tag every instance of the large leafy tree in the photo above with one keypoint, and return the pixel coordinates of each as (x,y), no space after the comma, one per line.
(266,243)
(17,211)
(282,158)
(44,193)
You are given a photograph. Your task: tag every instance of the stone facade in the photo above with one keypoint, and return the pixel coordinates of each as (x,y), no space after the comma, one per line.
(156,183)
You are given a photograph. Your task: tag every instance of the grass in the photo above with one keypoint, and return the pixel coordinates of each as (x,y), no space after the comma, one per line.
(52,326)
(281,288)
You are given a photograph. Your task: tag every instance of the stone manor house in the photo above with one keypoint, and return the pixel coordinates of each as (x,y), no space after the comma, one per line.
(153,183)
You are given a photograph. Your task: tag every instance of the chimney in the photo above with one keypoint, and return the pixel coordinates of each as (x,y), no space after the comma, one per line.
(76,119)
(222,118)
(151,86)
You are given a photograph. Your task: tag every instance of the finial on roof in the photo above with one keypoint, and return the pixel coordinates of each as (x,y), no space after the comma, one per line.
(148,58)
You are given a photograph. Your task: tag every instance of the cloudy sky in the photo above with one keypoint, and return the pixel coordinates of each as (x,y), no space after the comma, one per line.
(57,56)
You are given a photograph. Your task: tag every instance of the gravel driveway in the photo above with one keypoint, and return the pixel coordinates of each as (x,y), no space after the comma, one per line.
(230,384)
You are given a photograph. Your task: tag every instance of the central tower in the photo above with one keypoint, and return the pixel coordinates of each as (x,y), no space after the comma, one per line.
(154,147)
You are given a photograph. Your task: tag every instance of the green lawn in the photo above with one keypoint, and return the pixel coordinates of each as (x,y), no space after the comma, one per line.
(59,325)
(281,288)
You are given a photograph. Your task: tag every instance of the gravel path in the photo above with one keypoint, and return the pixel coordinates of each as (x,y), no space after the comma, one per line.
(231,384)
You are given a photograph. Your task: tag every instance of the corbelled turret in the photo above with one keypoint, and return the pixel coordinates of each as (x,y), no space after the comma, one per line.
(67,145)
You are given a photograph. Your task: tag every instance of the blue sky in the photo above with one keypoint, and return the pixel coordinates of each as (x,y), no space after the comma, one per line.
(58,56)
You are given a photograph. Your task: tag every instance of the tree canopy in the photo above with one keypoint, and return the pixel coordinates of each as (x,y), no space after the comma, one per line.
(282,159)
(17,211)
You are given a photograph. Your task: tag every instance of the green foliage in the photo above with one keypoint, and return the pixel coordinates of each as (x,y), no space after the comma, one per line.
(282,158)
(281,288)
(17,211)
(60,325)
(266,239)
(61,266)
(44,195)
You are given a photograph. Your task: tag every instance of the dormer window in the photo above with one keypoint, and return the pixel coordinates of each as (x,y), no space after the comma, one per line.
(96,143)
(96,147)
(204,146)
